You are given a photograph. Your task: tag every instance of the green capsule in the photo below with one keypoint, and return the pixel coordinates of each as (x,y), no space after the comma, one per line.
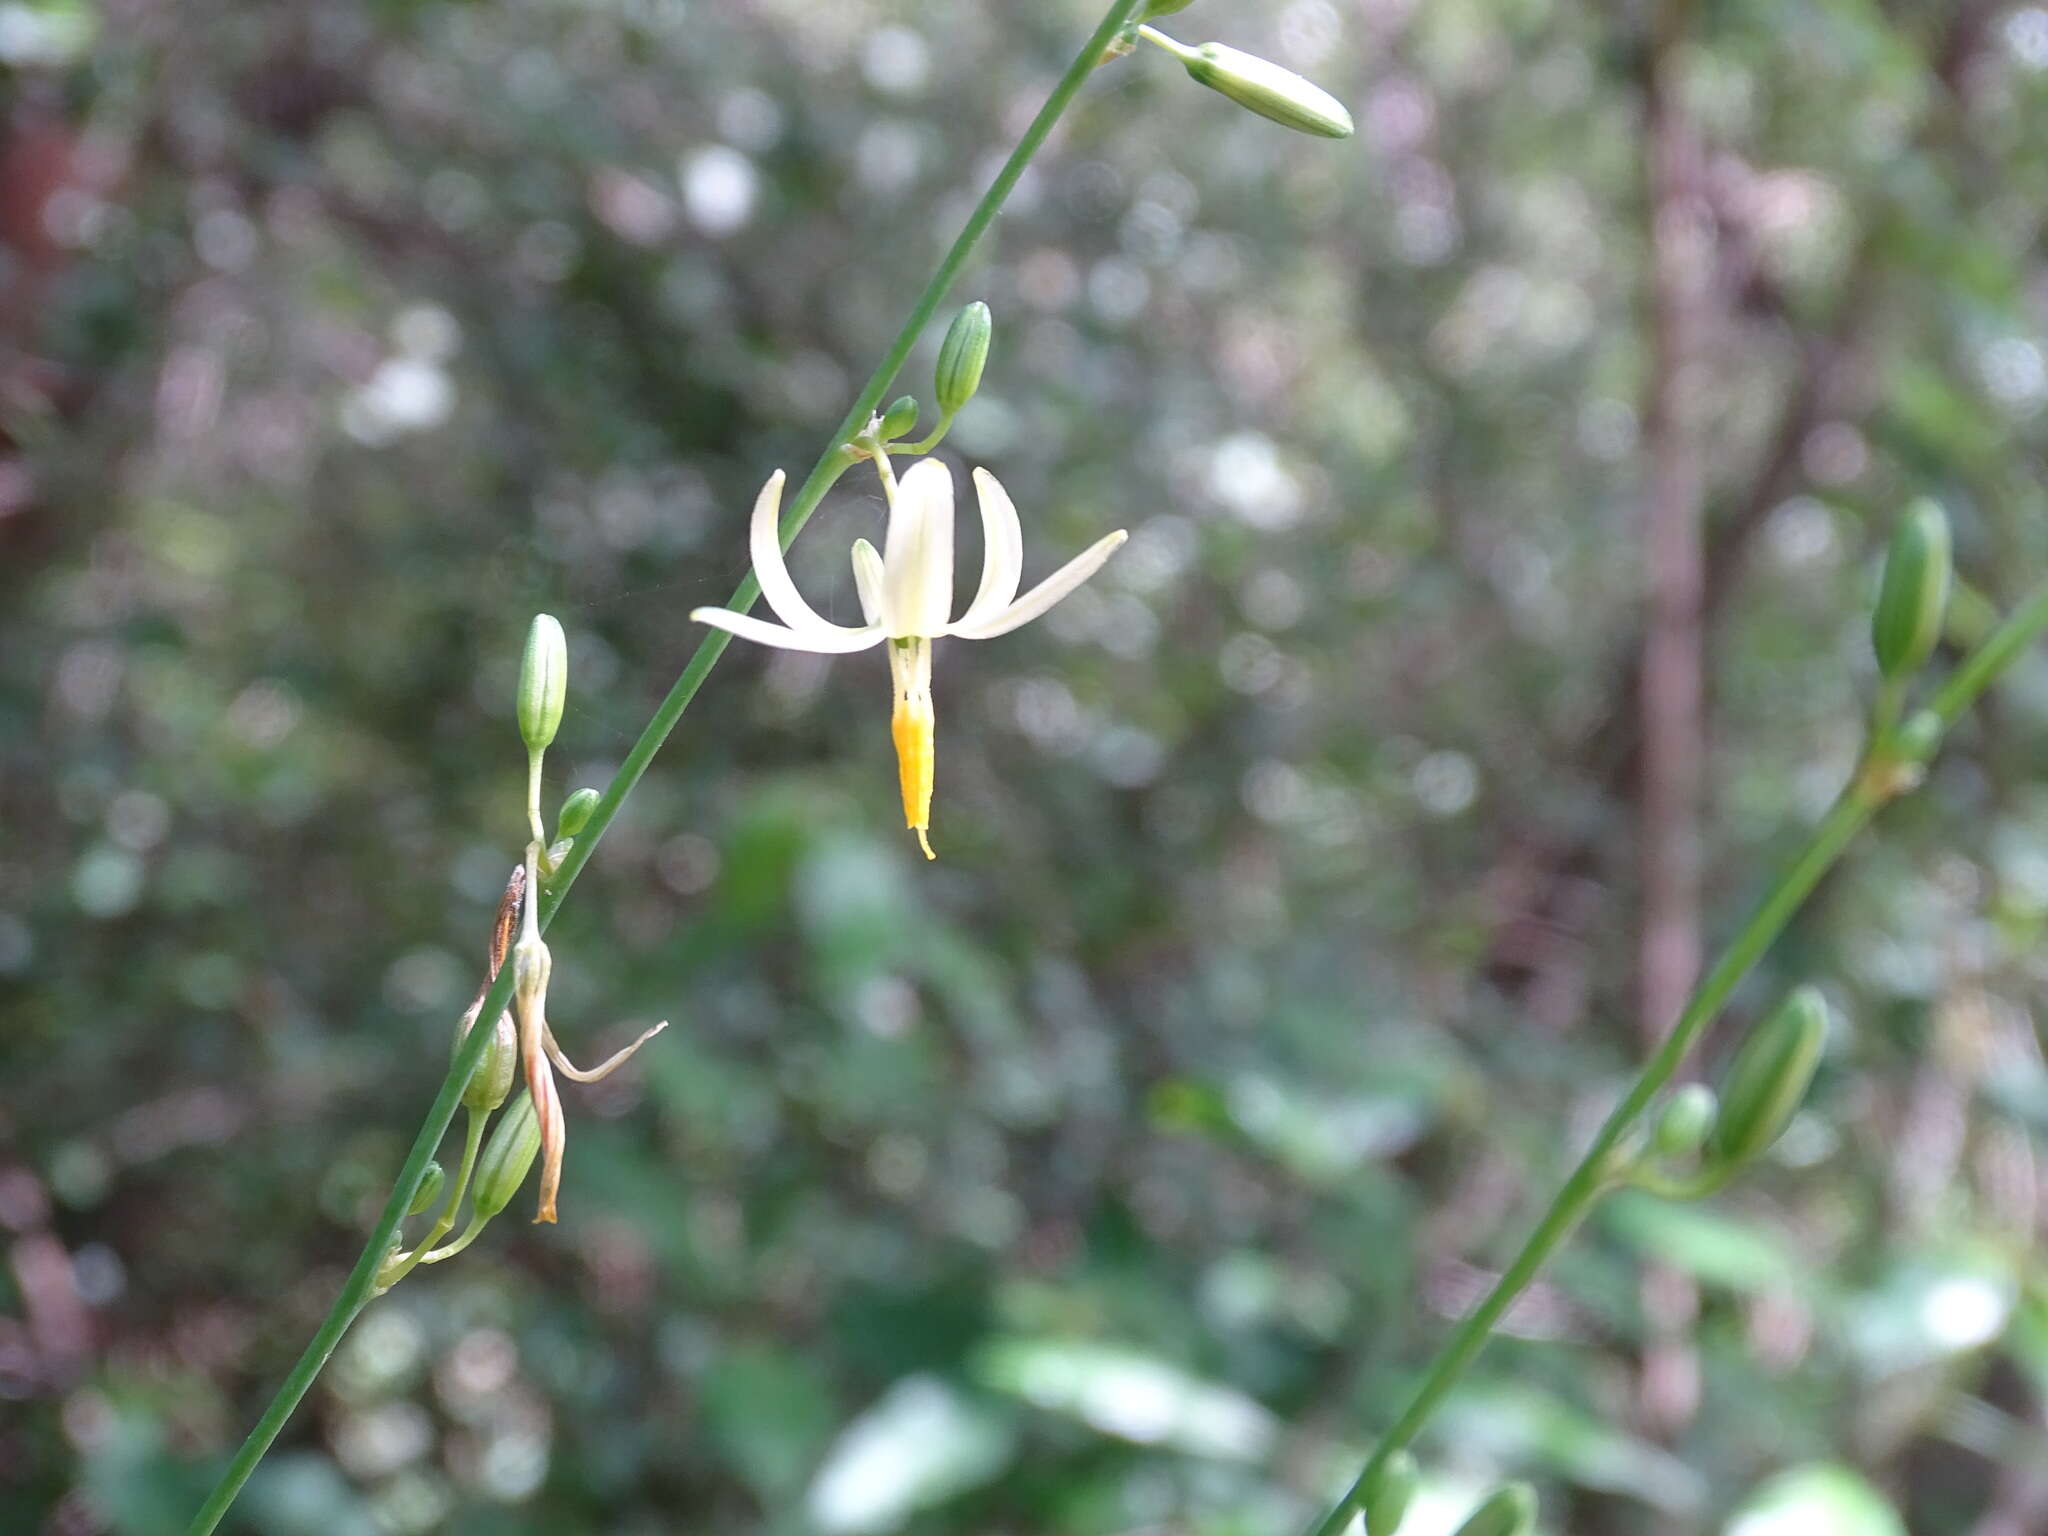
(1511,1511)
(899,418)
(962,356)
(507,1158)
(543,682)
(1768,1078)
(1391,1491)
(1261,86)
(576,812)
(492,1079)
(1913,598)
(429,1190)
(1687,1121)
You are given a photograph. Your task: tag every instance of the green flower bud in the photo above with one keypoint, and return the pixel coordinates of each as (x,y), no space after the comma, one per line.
(507,1158)
(1261,86)
(1768,1078)
(1913,599)
(543,682)
(429,1190)
(1511,1511)
(576,812)
(1391,1491)
(899,418)
(492,1079)
(1687,1121)
(1919,738)
(1166,7)
(962,356)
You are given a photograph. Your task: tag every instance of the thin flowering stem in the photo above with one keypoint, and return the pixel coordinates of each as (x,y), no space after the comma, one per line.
(360,1286)
(1876,781)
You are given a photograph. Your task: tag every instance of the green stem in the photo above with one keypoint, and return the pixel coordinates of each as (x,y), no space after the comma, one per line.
(1590,1178)
(919,449)
(357,1291)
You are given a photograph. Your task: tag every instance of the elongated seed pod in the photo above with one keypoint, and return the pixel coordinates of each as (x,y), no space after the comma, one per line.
(507,1158)
(962,356)
(1391,1492)
(1769,1077)
(543,682)
(1912,601)
(1261,86)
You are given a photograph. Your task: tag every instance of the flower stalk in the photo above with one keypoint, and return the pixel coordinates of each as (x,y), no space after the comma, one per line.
(1890,768)
(360,1287)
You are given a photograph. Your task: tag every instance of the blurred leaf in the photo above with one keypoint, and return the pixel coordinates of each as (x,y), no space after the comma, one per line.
(1817,1500)
(921,1444)
(1130,1395)
(1705,1242)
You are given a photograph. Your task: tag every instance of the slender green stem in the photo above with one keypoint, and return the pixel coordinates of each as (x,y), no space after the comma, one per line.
(1869,790)
(925,445)
(360,1286)
(469,1235)
(533,821)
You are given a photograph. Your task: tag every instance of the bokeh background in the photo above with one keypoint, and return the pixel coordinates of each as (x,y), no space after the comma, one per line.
(1309,882)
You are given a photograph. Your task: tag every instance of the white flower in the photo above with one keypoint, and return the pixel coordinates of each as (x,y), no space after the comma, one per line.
(906,595)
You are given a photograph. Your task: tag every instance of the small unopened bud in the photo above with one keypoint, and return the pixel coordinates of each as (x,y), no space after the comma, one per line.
(507,1158)
(1768,1078)
(962,356)
(429,1190)
(1391,1491)
(1687,1121)
(1261,86)
(1919,738)
(1511,1511)
(1913,599)
(576,812)
(899,418)
(543,682)
(1166,7)
(492,1079)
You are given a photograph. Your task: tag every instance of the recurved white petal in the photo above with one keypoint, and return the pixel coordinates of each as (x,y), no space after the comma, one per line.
(1002,557)
(764,544)
(1047,592)
(826,639)
(867,579)
(917,563)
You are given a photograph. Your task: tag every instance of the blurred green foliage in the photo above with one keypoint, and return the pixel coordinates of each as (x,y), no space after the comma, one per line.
(1115,1173)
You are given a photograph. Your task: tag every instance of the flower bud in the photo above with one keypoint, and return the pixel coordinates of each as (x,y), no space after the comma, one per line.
(543,682)
(1768,1078)
(1511,1511)
(576,812)
(1165,7)
(507,1159)
(1261,86)
(1913,599)
(899,418)
(1687,1121)
(429,1190)
(1919,738)
(962,356)
(1388,1496)
(492,1079)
